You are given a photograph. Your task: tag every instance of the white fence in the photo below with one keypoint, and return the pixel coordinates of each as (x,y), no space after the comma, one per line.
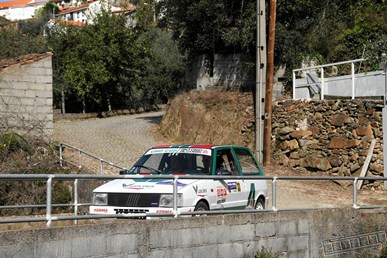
(74,204)
(317,84)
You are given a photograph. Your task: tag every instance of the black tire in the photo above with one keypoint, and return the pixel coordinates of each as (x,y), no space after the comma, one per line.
(260,205)
(201,206)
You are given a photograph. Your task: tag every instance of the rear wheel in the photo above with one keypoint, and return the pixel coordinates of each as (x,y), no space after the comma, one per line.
(260,205)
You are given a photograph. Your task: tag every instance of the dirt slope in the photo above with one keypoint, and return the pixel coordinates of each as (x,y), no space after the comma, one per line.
(210,117)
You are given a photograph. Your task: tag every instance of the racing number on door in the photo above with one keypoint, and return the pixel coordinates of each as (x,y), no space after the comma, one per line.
(221,192)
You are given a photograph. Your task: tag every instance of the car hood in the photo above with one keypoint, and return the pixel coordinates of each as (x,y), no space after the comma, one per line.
(142,185)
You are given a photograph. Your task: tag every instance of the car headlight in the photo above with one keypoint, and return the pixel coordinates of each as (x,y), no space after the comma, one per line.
(166,200)
(100,198)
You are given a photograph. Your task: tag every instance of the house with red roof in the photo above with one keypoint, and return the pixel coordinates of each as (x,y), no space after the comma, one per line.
(86,12)
(20,9)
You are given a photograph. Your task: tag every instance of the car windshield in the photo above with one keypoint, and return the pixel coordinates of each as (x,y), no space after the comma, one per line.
(174,161)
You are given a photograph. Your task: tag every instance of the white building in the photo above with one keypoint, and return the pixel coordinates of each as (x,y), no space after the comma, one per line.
(20,9)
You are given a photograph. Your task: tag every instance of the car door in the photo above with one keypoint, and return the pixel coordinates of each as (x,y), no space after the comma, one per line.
(229,193)
(249,167)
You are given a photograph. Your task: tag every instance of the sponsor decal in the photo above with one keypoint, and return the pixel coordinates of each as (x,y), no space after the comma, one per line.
(163,211)
(180,150)
(199,191)
(221,191)
(220,201)
(251,198)
(135,186)
(234,186)
(104,210)
(141,184)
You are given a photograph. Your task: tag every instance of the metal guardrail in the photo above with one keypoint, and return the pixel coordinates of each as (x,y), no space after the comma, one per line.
(322,81)
(49,178)
(80,165)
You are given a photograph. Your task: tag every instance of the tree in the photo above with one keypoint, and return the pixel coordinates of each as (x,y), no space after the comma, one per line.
(326,31)
(25,38)
(164,73)
(96,58)
(212,26)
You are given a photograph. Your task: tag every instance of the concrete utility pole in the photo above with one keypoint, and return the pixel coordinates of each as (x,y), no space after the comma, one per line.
(269,83)
(260,87)
(383,65)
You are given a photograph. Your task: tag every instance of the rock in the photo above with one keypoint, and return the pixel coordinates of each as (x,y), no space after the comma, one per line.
(339,120)
(294,155)
(289,145)
(300,134)
(354,167)
(285,130)
(294,163)
(370,111)
(377,168)
(335,161)
(304,143)
(354,157)
(283,160)
(340,143)
(365,131)
(316,163)
(343,171)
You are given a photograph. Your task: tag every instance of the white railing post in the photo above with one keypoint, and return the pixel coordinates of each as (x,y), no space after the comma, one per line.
(175,197)
(75,200)
(60,155)
(322,83)
(49,202)
(294,85)
(101,166)
(353,79)
(355,206)
(80,161)
(273,194)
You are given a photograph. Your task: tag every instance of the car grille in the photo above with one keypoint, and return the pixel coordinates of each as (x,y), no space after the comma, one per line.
(133,200)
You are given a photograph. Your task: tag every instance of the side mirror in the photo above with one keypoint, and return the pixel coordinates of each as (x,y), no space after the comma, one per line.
(124,172)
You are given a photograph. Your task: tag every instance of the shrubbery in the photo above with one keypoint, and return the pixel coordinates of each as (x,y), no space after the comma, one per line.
(21,154)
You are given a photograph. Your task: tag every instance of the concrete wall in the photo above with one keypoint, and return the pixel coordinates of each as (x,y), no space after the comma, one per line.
(313,233)
(26,95)
(229,72)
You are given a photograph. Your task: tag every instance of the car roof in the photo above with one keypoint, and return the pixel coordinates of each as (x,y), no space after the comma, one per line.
(199,146)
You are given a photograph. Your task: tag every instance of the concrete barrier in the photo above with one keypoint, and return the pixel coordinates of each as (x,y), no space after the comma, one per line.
(342,232)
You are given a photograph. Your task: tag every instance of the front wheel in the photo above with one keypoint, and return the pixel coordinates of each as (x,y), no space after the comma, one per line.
(201,206)
(260,205)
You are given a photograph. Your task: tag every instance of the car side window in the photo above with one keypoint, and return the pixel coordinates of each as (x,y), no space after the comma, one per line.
(247,162)
(225,163)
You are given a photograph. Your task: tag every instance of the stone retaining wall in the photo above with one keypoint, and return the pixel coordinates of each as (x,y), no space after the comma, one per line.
(331,136)
(310,233)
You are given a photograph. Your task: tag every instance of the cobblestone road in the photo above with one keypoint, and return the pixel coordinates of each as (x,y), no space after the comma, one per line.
(119,139)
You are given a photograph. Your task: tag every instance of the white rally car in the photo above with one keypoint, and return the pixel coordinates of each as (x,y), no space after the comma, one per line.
(134,196)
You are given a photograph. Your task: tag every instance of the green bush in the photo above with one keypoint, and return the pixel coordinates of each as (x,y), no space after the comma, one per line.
(383,254)
(265,253)
(11,142)
(26,155)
